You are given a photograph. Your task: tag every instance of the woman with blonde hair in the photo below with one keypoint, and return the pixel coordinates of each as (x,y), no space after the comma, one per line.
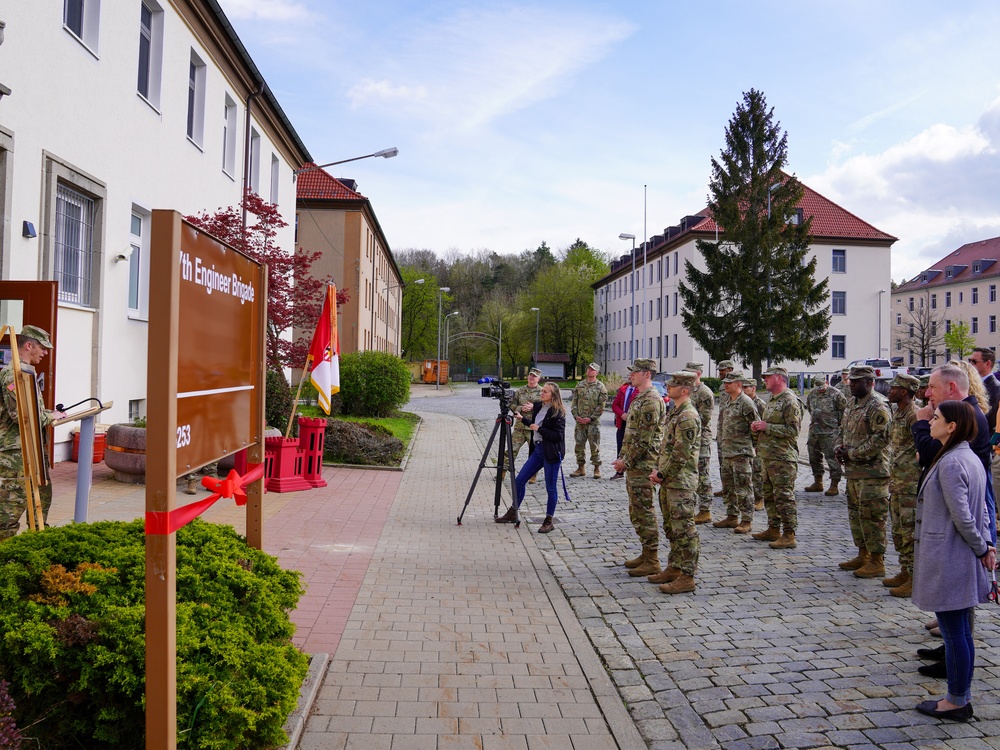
(976,387)
(547,423)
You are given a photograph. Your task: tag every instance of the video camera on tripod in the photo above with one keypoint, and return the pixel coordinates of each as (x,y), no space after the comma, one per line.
(498,389)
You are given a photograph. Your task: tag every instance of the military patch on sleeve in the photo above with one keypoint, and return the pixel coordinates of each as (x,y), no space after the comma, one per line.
(879,420)
(689,434)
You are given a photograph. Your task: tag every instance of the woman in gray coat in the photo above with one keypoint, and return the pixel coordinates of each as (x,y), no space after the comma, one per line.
(952,551)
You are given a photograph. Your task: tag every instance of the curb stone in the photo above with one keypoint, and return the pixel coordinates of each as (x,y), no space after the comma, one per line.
(313,681)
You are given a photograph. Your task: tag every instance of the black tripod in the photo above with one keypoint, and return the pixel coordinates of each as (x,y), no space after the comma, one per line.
(503,425)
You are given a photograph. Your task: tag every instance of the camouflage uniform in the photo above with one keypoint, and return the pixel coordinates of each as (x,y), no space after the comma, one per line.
(703,400)
(779,450)
(826,407)
(678,467)
(521,434)
(13,498)
(736,453)
(588,401)
(904,475)
(844,388)
(758,462)
(866,439)
(640,446)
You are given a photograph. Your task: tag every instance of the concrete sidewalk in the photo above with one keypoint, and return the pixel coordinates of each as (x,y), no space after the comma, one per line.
(460,637)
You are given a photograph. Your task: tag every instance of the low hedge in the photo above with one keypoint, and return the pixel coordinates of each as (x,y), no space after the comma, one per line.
(361,444)
(72,610)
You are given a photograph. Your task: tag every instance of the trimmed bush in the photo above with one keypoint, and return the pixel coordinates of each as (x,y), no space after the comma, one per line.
(72,609)
(362,444)
(714,383)
(278,407)
(373,384)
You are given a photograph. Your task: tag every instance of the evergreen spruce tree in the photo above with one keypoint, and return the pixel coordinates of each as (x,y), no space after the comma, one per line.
(758,299)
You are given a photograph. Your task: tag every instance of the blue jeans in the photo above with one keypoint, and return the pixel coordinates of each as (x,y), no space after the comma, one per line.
(959,653)
(536,460)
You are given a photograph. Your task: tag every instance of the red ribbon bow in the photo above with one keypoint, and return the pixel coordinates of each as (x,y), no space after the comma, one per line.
(231,488)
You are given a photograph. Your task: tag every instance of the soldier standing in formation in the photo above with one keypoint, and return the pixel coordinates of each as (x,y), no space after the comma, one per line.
(522,403)
(677,474)
(736,453)
(864,451)
(826,408)
(904,476)
(643,435)
(589,398)
(703,400)
(750,389)
(726,366)
(844,386)
(33,345)
(779,450)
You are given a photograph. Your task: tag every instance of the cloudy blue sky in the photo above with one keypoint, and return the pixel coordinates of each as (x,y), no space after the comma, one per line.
(519,123)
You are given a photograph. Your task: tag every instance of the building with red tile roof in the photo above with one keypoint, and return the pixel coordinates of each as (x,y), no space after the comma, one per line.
(962,286)
(638,305)
(334,218)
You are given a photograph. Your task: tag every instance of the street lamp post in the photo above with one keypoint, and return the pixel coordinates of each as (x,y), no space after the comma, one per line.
(441,290)
(537,314)
(447,339)
(631,312)
(386,153)
(388,289)
(880,293)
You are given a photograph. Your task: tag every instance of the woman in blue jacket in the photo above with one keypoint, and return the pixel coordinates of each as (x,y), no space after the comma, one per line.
(547,423)
(953,551)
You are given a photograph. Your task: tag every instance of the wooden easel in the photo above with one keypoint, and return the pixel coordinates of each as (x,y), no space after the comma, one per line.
(30,428)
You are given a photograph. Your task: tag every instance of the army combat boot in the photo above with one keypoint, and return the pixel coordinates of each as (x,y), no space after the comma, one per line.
(897,580)
(856,562)
(597,472)
(665,576)
(873,568)
(192,483)
(816,486)
(635,562)
(649,566)
(681,585)
(580,471)
(729,522)
(904,590)
(833,491)
(704,517)
(772,533)
(787,541)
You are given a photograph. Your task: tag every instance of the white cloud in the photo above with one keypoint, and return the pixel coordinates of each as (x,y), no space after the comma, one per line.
(267,10)
(935,191)
(480,64)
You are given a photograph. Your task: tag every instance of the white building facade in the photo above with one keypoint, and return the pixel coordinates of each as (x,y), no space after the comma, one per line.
(638,312)
(116,109)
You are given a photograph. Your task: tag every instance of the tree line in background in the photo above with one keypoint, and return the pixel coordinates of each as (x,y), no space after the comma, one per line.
(494,293)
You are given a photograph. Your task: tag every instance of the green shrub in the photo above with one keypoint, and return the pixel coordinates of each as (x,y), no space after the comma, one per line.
(72,609)
(714,383)
(361,444)
(278,407)
(373,384)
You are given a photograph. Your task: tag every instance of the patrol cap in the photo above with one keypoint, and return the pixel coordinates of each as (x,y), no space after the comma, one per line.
(845,371)
(776,371)
(727,364)
(594,366)
(683,378)
(818,380)
(863,371)
(749,383)
(36,333)
(643,364)
(925,380)
(733,377)
(535,371)
(694,367)
(909,382)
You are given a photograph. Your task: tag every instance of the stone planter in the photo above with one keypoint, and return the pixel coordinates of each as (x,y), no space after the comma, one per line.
(125,453)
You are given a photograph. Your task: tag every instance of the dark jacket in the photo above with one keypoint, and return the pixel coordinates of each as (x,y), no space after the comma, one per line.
(553,432)
(992,386)
(928,447)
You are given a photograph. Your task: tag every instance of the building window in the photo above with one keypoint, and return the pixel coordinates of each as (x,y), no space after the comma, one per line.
(899,345)
(840,261)
(255,161)
(911,330)
(74,246)
(150,52)
(975,295)
(947,299)
(675,304)
(275,172)
(899,319)
(136,409)
(993,292)
(229,138)
(975,325)
(82,18)
(933,302)
(675,343)
(838,347)
(196,100)
(838,303)
(993,324)
(961,297)
(675,273)
(911,304)
(947,327)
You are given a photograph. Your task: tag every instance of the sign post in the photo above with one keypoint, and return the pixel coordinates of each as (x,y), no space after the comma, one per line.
(205,395)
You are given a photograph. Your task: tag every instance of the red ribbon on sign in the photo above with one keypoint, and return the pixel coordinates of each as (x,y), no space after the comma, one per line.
(231,488)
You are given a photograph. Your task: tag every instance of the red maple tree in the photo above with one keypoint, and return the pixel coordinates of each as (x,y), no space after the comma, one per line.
(294,295)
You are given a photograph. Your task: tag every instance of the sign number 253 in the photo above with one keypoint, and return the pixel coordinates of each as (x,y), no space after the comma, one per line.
(183,435)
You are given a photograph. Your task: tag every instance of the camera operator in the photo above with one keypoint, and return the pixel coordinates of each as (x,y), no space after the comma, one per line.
(522,403)
(547,423)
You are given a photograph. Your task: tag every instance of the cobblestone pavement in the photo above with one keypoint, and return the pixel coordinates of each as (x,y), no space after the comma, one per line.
(775,649)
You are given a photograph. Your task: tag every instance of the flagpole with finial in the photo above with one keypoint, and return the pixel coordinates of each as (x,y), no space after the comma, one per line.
(323,350)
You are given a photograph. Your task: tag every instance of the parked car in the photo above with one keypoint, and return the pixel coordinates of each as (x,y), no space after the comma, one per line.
(660,384)
(884,372)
